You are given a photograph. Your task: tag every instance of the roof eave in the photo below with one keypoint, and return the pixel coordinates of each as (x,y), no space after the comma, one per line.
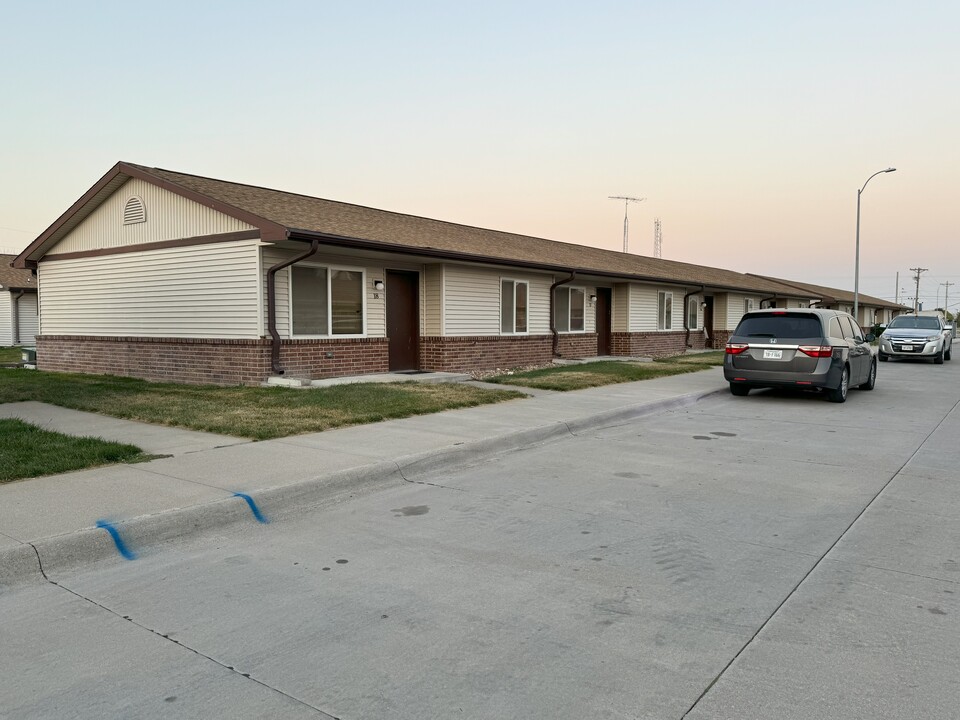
(363,244)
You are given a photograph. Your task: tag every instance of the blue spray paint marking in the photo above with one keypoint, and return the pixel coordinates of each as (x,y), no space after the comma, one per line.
(117,540)
(253,507)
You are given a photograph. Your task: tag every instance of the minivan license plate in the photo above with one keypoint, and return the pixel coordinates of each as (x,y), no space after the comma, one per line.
(772,354)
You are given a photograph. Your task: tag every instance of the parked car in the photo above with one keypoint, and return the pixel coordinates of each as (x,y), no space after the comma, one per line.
(926,335)
(810,349)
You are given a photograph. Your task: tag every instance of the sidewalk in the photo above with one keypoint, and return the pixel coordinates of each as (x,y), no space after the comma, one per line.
(53,520)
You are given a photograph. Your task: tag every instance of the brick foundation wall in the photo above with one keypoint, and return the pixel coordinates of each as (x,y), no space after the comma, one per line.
(465,354)
(577,345)
(655,344)
(720,338)
(217,362)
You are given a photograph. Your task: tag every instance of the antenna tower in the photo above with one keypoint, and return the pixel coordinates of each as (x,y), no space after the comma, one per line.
(657,239)
(626,223)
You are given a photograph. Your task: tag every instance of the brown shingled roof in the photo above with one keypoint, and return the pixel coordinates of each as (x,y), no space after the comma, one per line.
(283,215)
(836,295)
(304,216)
(13,279)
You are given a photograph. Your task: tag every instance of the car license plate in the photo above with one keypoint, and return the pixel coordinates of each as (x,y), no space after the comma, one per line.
(772,354)
(906,348)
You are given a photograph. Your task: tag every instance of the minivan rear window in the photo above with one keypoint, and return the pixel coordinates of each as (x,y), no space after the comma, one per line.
(780,326)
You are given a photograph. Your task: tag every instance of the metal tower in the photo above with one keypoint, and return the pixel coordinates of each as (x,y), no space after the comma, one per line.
(626,224)
(657,239)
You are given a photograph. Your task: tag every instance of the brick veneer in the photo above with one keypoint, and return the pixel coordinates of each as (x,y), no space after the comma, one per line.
(247,362)
(219,362)
(720,338)
(463,354)
(656,344)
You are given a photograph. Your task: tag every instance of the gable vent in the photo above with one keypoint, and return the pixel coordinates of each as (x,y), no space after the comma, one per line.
(134,211)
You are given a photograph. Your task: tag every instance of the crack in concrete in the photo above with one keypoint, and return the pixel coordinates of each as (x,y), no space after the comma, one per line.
(159,634)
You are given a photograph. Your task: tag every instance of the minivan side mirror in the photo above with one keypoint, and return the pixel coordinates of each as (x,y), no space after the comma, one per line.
(870,337)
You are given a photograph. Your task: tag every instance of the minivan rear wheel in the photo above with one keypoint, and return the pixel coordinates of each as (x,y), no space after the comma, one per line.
(871,378)
(839,393)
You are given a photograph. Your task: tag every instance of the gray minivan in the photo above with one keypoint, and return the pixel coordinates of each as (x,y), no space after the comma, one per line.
(800,348)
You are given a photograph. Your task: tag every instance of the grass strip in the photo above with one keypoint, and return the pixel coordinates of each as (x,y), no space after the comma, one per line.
(28,451)
(579,377)
(9,355)
(251,412)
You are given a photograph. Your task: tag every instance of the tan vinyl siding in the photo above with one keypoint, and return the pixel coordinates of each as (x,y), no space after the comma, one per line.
(621,307)
(169,217)
(29,320)
(198,291)
(735,308)
(643,307)
(433,300)
(6,318)
(472,300)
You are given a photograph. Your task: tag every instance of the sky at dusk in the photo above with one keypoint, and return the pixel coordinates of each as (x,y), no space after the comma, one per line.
(747,126)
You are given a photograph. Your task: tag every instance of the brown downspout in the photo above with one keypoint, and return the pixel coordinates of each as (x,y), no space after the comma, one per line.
(15,334)
(272,304)
(686,317)
(553,319)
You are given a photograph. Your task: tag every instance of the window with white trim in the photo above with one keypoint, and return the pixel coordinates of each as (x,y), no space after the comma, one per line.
(664,310)
(693,313)
(569,309)
(513,306)
(747,305)
(327,301)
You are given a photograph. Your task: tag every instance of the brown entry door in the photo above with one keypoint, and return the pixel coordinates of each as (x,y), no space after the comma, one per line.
(403,320)
(603,321)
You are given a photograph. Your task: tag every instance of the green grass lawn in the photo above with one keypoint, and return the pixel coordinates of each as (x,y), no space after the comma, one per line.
(258,413)
(9,355)
(579,377)
(27,451)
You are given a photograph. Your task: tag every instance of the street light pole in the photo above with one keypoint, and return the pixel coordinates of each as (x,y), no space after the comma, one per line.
(856,266)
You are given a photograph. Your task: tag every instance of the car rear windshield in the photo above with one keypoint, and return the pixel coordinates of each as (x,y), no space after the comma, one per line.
(915,322)
(780,326)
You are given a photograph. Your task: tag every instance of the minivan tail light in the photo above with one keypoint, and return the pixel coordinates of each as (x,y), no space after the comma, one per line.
(817,351)
(736,348)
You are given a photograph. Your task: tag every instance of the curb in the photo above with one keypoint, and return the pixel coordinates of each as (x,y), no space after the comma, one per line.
(36,560)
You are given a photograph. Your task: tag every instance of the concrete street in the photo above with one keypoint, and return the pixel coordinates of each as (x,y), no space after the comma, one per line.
(774,556)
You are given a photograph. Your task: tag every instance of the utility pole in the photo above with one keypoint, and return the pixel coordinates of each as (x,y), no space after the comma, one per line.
(626,223)
(946,295)
(896,291)
(657,239)
(916,299)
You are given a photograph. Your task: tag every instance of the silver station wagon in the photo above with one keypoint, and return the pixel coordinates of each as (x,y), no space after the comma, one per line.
(804,349)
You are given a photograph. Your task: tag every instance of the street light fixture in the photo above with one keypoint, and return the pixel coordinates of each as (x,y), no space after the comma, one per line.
(856,267)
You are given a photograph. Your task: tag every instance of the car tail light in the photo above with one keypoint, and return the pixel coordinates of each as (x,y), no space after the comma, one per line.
(817,351)
(736,348)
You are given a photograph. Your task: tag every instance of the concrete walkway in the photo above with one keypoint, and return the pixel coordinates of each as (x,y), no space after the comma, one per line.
(53,520)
